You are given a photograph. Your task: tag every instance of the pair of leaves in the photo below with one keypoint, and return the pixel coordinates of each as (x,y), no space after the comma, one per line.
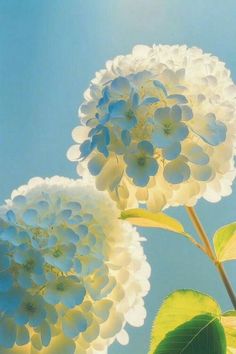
(190,322)
(224,238)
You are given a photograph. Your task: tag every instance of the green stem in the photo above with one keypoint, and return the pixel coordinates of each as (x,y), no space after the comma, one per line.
(203,236)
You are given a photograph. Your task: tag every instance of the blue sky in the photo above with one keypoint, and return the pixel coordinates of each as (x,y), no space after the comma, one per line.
(49,51)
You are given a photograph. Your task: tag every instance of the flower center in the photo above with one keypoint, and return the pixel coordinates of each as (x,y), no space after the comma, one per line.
(57,253)
(141,160)
(30,307)
(60,286)
(129,115)
(29,265)
(167,128)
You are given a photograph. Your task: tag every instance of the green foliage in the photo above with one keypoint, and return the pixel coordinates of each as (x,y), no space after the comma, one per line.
(184,310)
(202,334)
(228,320)
(225,243)
(145,218)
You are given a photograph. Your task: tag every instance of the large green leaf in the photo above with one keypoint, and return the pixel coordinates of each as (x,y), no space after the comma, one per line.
(145,218)
(225,242)
(203,334)
(178,308)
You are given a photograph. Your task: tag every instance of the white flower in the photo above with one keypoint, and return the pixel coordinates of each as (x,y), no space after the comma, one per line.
(72,275)
(178,99)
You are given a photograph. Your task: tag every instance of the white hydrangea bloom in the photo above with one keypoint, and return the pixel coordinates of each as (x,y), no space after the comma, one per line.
(158,126)
(72,275)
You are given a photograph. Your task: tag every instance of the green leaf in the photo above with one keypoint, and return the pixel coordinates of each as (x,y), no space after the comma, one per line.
(228,321)
(178,308)
(202,334)
(145,218)
(225,242)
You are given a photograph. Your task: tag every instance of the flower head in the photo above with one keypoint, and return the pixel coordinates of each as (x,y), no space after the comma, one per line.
(67,268)
(179,100)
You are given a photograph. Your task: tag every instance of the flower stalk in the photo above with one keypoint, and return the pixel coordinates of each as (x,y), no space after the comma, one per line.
(210,252)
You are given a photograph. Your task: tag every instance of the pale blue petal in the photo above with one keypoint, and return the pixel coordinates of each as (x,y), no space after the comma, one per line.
(145,146)
(95,130)
(138,173)
(135,100)
(69,235)
(104,119)
(140,77)
(150,100)
(176,113)
(104,99)
(180,133)
(11,300)
(52,241)
(65,214)
(176,172)
(85,149)
(214,132)
(42,205)
(45,332)
(106,135)
(117,109)
(6,281)
(52,315)
(74,297)
(178,98)
(21,238)
(125,137)
(160,86)
(161,114)
(160,139)
(82,230)
(11,216)
(125,123)
(21,317)
(22,336)
(187,113)
(77,265)
(202,173)
(96,164)
(9,234)
(24,280)
(39,279)
(19,200)
(7,332)
(173,151)
(76,219)
(120,85)
(75,206)
(151,166)
(37,318)
(5,262)
(196,154)
(73,324)
(30,217)
(52,296)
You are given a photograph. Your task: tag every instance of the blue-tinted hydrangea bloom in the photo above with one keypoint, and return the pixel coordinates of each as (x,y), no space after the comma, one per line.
(140,163)
(67,267)
(180,100)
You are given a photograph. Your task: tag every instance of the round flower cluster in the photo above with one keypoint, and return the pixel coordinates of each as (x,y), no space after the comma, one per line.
(159,126)
(71,273)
